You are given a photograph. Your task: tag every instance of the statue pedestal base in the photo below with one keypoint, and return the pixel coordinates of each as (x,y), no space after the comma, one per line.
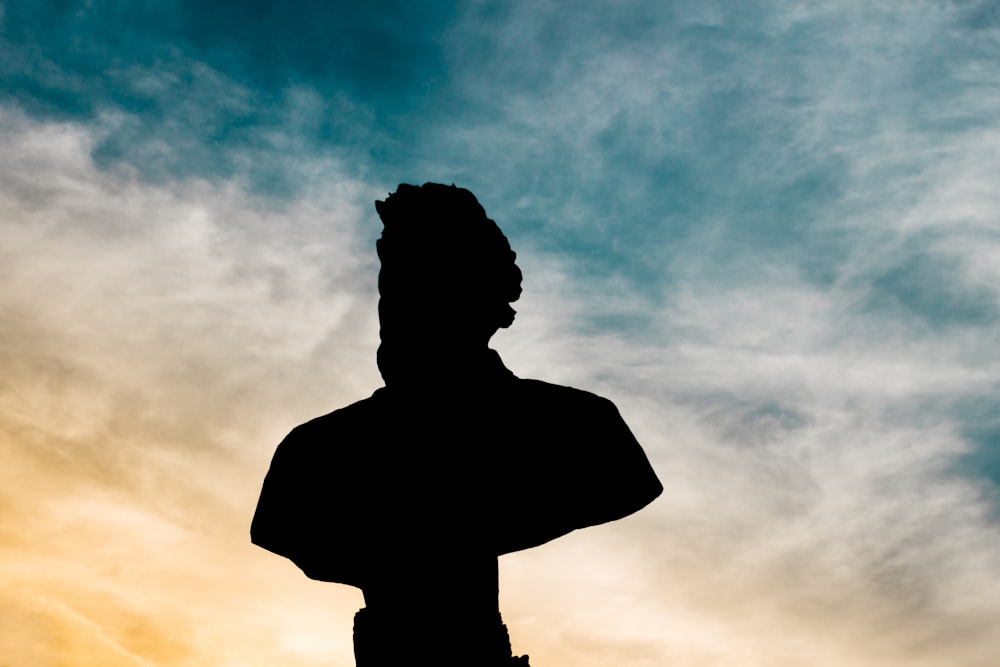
(395,640)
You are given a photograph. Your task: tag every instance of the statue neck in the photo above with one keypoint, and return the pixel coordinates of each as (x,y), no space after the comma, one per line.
(414,366)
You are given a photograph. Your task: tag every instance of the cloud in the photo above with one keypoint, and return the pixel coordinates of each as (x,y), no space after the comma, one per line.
(593,131)
(189,86)
(767,232)
(156,336)
(811,510)
(925,287)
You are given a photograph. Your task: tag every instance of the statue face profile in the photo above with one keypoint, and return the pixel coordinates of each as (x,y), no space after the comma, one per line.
(448,273)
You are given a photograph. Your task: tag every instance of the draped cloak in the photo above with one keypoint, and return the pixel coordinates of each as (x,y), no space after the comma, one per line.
(487,462)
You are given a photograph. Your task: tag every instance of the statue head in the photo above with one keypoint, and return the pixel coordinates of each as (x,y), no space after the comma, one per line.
(448,274)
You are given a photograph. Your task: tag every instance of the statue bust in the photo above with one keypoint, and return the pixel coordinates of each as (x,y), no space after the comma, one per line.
(413,493)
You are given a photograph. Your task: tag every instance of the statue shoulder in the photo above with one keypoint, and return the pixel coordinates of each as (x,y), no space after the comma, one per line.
(581,404)
(595,446)
(335,426)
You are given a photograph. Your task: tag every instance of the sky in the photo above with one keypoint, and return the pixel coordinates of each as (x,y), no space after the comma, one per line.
(768,231)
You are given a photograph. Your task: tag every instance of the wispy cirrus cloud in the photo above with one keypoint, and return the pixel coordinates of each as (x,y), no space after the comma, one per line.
(767,231)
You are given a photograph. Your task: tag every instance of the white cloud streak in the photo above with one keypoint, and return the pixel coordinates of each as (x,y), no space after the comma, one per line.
(165,336)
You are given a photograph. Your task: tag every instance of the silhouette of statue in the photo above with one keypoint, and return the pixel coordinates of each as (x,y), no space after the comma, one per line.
(413,493)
